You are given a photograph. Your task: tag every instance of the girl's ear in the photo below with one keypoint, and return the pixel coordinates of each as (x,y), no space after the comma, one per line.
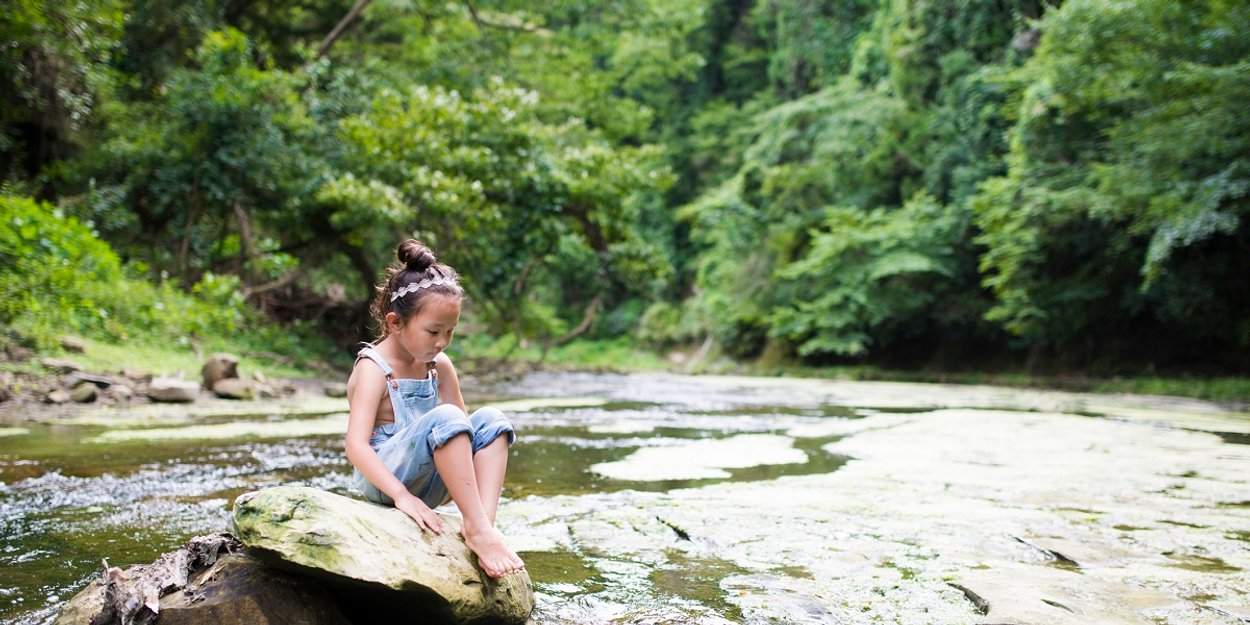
(393,321)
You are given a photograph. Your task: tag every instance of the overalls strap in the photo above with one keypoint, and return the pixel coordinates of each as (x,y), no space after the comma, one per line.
(392,386)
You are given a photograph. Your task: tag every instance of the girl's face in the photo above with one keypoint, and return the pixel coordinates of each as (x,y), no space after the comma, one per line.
(429,331)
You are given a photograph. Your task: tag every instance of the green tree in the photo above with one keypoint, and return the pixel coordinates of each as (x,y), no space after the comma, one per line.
(508,199)
(1123,211)
(53,69)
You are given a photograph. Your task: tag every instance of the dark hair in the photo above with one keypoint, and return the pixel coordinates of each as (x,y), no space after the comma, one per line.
(416,263)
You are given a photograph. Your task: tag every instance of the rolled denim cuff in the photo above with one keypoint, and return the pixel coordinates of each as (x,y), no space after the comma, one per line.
(488,424)
(449,422)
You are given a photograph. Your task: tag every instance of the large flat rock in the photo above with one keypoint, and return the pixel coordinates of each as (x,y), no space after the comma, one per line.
(377,555)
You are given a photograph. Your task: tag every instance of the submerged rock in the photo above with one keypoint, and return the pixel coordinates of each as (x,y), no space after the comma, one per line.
(378,558)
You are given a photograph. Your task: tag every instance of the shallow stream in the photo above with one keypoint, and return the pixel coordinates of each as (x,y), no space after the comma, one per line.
(673,499)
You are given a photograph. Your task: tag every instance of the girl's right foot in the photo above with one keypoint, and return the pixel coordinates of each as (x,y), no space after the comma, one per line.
(493,554)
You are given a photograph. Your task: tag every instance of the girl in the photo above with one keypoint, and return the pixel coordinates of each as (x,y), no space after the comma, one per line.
(410,450)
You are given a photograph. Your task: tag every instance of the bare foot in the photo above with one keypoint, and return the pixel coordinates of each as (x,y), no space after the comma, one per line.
(492,554)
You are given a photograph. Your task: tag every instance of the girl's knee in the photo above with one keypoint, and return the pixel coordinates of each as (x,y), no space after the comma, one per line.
(488,425)
(448,421)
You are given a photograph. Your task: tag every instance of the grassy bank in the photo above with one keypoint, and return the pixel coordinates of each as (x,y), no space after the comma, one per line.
(176,357)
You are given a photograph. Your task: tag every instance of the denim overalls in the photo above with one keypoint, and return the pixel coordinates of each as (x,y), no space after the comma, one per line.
(421,426)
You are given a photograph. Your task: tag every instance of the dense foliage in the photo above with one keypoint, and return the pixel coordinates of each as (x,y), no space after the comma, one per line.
(972,183)
(57,278)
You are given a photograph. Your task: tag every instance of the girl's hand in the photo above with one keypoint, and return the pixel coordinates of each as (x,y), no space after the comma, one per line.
(421,513)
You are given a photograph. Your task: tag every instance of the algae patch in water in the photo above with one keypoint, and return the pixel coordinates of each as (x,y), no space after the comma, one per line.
(562,572)
(697,579)
(1199,563)
(292,428)
(704,459)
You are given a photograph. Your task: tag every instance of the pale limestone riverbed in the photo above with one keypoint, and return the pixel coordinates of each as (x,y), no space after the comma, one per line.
(676,499)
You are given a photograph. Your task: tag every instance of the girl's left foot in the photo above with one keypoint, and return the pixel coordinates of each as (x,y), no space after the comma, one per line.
(493,554)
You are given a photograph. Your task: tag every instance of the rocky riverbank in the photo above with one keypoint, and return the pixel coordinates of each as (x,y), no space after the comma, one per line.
(61,387)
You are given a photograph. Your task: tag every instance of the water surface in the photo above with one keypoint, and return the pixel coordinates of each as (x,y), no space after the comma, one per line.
(676,499)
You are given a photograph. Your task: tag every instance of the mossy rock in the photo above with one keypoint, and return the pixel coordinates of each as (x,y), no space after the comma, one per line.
(377,557)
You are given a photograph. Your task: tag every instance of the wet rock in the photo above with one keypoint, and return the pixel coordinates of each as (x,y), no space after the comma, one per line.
(207,581)
(173,390)
(376,556)
(240,589)
(84,393)
(73,344)
(334,389)
(57,396)
(134,595)
(233,388)
(220,366)
(61,365)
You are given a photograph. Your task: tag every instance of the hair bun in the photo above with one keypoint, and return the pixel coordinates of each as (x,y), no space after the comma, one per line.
(415,255)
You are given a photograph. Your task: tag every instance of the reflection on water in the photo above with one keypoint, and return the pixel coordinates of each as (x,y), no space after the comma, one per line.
(67,503)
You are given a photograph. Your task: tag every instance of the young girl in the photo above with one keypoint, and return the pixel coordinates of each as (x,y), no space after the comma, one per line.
(409,448)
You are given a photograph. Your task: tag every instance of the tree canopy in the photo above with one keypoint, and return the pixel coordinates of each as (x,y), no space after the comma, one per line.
(972,183)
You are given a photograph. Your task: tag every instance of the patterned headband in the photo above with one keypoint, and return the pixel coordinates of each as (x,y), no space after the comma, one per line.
(413,287)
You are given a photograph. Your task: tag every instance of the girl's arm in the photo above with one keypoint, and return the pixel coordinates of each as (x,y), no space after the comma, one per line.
(448,383)
(365,391)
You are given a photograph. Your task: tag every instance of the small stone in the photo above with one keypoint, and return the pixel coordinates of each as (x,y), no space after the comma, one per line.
(73,344)
(233,388)
(61,365)
(267,391)
(84,393)
(334,389)
(165,389)
(58,396)
(259,376)
(122,392)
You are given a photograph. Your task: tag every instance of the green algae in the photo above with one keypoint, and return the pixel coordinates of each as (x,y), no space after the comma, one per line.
(697,578)
(4,431)
(1201,564)
(563,572)
(292,428)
